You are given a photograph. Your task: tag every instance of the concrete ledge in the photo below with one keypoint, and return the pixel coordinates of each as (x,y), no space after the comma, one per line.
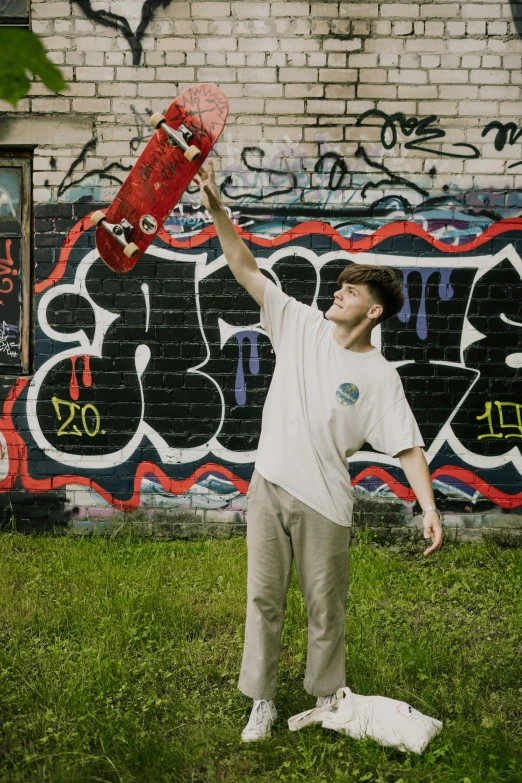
(61,131)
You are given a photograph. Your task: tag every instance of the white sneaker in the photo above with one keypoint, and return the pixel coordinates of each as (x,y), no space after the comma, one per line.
(261,718)
(326,701)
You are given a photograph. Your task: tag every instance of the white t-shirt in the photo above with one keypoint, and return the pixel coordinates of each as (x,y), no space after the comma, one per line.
(323,404)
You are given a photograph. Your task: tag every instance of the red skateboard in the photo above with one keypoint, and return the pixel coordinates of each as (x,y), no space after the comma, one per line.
(162,173)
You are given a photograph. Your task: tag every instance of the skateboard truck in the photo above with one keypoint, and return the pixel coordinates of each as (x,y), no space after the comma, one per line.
(120,231)
(178,138)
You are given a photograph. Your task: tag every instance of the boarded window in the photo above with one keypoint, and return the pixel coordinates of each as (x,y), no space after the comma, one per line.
(15,263)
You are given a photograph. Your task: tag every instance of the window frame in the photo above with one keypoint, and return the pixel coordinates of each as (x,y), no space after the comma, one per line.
(22,159)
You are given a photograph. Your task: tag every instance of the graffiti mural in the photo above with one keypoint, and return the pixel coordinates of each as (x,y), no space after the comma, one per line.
(148,387)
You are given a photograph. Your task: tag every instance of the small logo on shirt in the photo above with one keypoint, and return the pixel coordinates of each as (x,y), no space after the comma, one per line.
(347,393)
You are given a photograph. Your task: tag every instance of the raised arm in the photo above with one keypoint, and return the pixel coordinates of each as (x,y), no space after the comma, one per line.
(239,258)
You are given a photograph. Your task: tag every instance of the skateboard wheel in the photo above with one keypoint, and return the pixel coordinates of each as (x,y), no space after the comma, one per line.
(130,250)
(192,153)
(97,217)
(156,118)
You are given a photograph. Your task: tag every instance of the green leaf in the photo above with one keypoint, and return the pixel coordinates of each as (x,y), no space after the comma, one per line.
(22,51)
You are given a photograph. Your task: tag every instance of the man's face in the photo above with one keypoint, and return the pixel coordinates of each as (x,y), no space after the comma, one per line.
(351,305)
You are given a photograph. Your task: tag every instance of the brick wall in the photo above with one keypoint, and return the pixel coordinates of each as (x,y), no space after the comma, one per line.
(385,132)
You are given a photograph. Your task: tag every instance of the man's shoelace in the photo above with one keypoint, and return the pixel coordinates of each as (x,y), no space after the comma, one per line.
(260,710)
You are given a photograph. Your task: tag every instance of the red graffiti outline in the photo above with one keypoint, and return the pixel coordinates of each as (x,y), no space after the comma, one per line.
(17,449)
(310,227)
(17,452)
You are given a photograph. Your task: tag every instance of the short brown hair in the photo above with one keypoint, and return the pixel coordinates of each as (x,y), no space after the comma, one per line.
(383,283)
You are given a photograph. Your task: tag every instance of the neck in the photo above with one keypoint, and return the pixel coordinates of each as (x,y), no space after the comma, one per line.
(357,340)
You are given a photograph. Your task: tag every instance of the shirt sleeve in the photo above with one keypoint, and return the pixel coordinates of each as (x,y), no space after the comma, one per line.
(281,312)
(396,430)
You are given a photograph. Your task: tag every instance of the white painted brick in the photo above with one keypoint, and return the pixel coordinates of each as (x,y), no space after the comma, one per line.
(63,25)
(118,89)
(431,45)
(409,61)
(263,90)
(390,45)
(382,27)
(497,28)
(284,107)
(49,105)
(304,91)
(194,58)
(155,58)
(372,75)
(418,28)
(254,27)
(316,59)
(377,91)
(290,9)
(359,10)
(50,10)
(276,60)
(41,27)
(210,10)
(385,60)
(339,91)
(260,44)
(430,61)
(220,44)
(174,74)
(298,75)
(404,27)
(178,44)
(458,92)
(450,61)
(221,28)
(56,57)
(476,28)
(400,10)
(440,10)
(512,62)
(75,58)
(94,58)
(483,76)
(236,59)
(218,75)
(363,60)
(300,45)
(434,29)
(455,29)
(97,74)
(338,75)
(424,92)
(406,76)
(323,9)
(470,61)
(360,27)
(510,108)
(242,10)
(480,11)
(443,76)
(298,27)
(478,109)
(336,45)
(81,89)
(319,26)
(158,90)
(490,93)
(326,107)
(114,58)
(337,60)
(93,43)
(491,61)
(91,105)
(256,74)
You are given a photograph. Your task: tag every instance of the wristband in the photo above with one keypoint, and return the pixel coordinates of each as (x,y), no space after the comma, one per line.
(430,508)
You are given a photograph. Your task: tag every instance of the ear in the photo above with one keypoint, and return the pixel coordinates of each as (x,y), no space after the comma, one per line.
(375,311)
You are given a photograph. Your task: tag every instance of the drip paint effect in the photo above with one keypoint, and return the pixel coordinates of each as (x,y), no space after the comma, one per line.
(74,389)
(445,292)
(240,388)
(347,393)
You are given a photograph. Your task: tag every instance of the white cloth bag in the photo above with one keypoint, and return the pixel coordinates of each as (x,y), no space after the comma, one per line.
(390,722)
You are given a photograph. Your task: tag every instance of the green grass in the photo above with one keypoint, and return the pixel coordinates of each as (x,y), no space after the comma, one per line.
(119,661)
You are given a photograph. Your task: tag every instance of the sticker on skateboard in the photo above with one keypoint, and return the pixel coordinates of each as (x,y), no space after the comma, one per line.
(182,140)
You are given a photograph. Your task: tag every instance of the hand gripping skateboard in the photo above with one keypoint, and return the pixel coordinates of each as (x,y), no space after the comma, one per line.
(182,140)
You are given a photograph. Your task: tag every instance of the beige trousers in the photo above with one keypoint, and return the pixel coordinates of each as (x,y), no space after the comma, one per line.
(280,526)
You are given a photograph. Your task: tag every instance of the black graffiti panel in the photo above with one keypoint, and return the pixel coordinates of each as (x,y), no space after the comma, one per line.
(10,302)
(489,422)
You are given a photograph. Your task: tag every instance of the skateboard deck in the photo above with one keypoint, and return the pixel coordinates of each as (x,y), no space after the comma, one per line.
(160,176)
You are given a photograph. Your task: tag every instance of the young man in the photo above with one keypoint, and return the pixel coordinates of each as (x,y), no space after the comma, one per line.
(331,392)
